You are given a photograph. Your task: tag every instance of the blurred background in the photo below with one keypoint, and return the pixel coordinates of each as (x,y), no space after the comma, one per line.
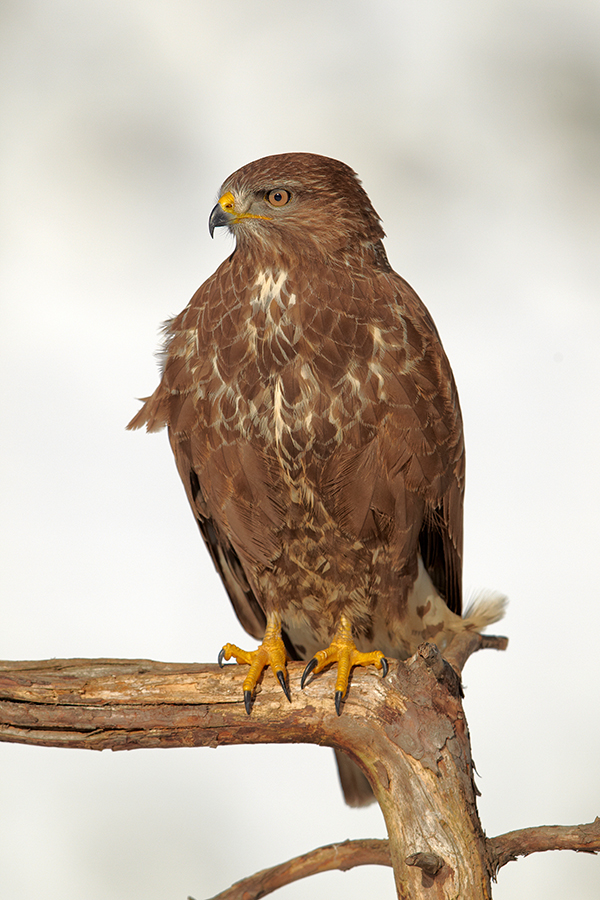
(476,131)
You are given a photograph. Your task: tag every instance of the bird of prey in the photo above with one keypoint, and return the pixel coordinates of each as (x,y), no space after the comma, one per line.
(316,427)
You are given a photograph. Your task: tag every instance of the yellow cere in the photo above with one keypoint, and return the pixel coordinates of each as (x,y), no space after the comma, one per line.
(227,203)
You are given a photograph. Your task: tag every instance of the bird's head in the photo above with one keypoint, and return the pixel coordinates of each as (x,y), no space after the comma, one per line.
(297,202)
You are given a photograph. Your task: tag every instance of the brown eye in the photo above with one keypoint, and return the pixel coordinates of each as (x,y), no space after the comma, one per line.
(278,197)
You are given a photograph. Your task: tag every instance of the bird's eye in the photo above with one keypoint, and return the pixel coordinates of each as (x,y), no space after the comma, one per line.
(278,197)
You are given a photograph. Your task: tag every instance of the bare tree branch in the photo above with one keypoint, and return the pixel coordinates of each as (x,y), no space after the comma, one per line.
(342,856)
(406,731)
(507,847)
(465,643)
(502,849)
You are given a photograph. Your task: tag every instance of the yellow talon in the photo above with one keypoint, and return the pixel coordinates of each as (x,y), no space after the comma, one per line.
(271,652)
(343,651)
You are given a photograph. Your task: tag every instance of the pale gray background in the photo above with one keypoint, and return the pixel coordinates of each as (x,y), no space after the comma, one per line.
(476,130)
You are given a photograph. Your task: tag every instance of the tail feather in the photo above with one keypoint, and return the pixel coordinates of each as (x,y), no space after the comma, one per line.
(485,608)
(356,788)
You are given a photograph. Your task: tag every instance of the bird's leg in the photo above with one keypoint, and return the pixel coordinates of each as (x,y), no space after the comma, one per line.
(271,652)
(343,651)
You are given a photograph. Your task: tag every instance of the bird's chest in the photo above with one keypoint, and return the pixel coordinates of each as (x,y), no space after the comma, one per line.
(273,373)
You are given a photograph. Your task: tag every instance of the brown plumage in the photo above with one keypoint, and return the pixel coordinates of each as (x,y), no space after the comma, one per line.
(315,422)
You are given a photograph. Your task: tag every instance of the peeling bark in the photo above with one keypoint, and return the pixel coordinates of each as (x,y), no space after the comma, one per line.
(407,732)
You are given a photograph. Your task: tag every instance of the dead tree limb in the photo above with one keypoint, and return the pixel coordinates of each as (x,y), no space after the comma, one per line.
(507,847)
(343,856)
(502,849)
(407,732)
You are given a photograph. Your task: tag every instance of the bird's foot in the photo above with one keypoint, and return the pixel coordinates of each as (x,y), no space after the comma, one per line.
(271,652)
(343,651)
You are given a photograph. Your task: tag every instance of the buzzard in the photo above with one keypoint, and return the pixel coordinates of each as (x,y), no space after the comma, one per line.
(316,427)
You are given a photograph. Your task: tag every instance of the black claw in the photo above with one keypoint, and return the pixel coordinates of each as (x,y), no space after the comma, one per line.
(309,667)
(281,680)
(248,701)
(221,657)
(384,666)
(338,702)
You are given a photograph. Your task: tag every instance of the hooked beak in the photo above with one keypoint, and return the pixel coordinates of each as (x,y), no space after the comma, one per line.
(225,213)
(222,213)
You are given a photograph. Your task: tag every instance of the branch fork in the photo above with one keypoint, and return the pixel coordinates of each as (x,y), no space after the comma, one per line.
(407,731)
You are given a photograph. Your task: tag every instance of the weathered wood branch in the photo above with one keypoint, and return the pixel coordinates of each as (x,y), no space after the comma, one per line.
(502,849)
(343,856)
(507,847)
(123,704)
(407,732)
(468,642)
